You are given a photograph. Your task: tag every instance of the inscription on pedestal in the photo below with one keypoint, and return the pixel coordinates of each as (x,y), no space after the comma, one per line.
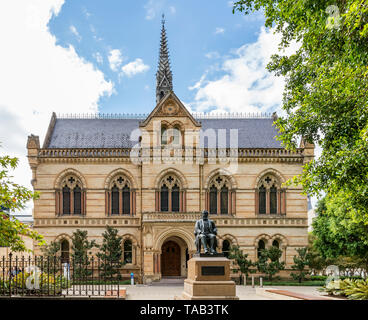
(213,271)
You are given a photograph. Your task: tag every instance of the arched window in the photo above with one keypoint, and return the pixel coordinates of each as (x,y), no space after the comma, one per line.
(64,248)
(119,196)
(275,243)
(66,200)
(224,200)
(115,200)
(262,199)
(175,194)
(270,196)
(164,198)
(164,135)
(261,246)
(273,199)
(70,198)
(176,136)
(77,200)
(170,194)
(219,196)
(226,248)
(126,200)
(128,251)
(213,200)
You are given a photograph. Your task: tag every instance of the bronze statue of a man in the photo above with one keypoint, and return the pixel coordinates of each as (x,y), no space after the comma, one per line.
(205,231)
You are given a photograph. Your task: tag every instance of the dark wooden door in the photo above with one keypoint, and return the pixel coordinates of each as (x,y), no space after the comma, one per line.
(170,259)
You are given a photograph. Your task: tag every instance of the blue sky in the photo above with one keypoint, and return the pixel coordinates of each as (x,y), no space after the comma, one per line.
(91,56)
(201,34)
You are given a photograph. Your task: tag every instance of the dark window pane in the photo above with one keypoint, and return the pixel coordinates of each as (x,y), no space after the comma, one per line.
(262,199)
(64,251)
(275,243)
(261,246)
(126,200)
(66,200)
(226,248)
(128,251)
(224,200)
(164,198)
(213,200)
(114,200)
(273,199)
(175,202)
(77,200)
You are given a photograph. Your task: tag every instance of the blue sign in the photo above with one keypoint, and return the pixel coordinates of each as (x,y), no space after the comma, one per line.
(131,275)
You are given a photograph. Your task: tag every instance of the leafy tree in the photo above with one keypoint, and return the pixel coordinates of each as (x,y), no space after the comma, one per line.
(13,197)
(241,260)
(50,257)
(317,263)
(80,251)
(325,96)
(110,253)
(337,233)
(301,261)
(269,262)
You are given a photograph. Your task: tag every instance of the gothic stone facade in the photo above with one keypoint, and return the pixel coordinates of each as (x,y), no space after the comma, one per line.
(88,177)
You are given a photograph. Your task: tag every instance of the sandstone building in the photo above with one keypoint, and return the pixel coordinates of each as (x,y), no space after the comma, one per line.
(151,176)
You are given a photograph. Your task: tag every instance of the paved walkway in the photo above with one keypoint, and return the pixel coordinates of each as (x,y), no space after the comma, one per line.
(167,292)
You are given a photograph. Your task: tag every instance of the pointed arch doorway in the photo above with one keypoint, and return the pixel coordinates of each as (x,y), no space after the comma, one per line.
(171,259)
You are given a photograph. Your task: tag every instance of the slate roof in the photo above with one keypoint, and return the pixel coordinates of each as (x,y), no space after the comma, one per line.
(115,133)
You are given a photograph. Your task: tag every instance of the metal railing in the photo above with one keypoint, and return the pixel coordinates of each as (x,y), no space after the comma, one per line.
(53,276)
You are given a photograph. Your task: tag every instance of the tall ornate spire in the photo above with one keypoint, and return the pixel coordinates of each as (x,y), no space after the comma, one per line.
(164,74)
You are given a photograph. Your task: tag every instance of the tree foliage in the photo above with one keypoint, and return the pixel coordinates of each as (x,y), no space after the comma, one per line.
(13,197)
(301,261)
(269,262)
(337,233)
(81,247)
(243,263)
(110,254)
(325,96)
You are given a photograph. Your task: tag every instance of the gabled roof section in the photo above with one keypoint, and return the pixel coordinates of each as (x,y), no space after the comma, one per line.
(170,106)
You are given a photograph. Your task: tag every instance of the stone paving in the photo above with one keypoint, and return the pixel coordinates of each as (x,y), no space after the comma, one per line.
(167,292)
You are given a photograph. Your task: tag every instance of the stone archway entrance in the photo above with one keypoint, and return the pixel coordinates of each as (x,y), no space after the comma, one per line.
(170,259)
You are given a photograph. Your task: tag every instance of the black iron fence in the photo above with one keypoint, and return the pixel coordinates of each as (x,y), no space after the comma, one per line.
(55,276)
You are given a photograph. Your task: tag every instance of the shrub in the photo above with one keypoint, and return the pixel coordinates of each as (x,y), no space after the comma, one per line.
(351,288)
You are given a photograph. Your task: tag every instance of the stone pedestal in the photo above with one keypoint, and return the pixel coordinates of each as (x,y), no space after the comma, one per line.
(209,279)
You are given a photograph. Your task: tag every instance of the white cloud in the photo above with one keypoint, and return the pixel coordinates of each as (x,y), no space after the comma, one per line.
(115,59)
(219,30)
(134,67)
(98,57)
(38,77)
(244,85)
(74,31)
(212,55)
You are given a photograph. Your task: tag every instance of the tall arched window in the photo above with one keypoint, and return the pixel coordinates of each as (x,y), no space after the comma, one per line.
(213,200)
(175,202)
(164,198)
(128,251)
(70,198)
(275,243)
(64,248)
(224,200)
(119,196)
(220,197)
(270,198)
(164,135)
(226,248)
(77,200)
(262,199)
(115,200)
(66,200)
(170,194)
(176,136)
(261,246)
